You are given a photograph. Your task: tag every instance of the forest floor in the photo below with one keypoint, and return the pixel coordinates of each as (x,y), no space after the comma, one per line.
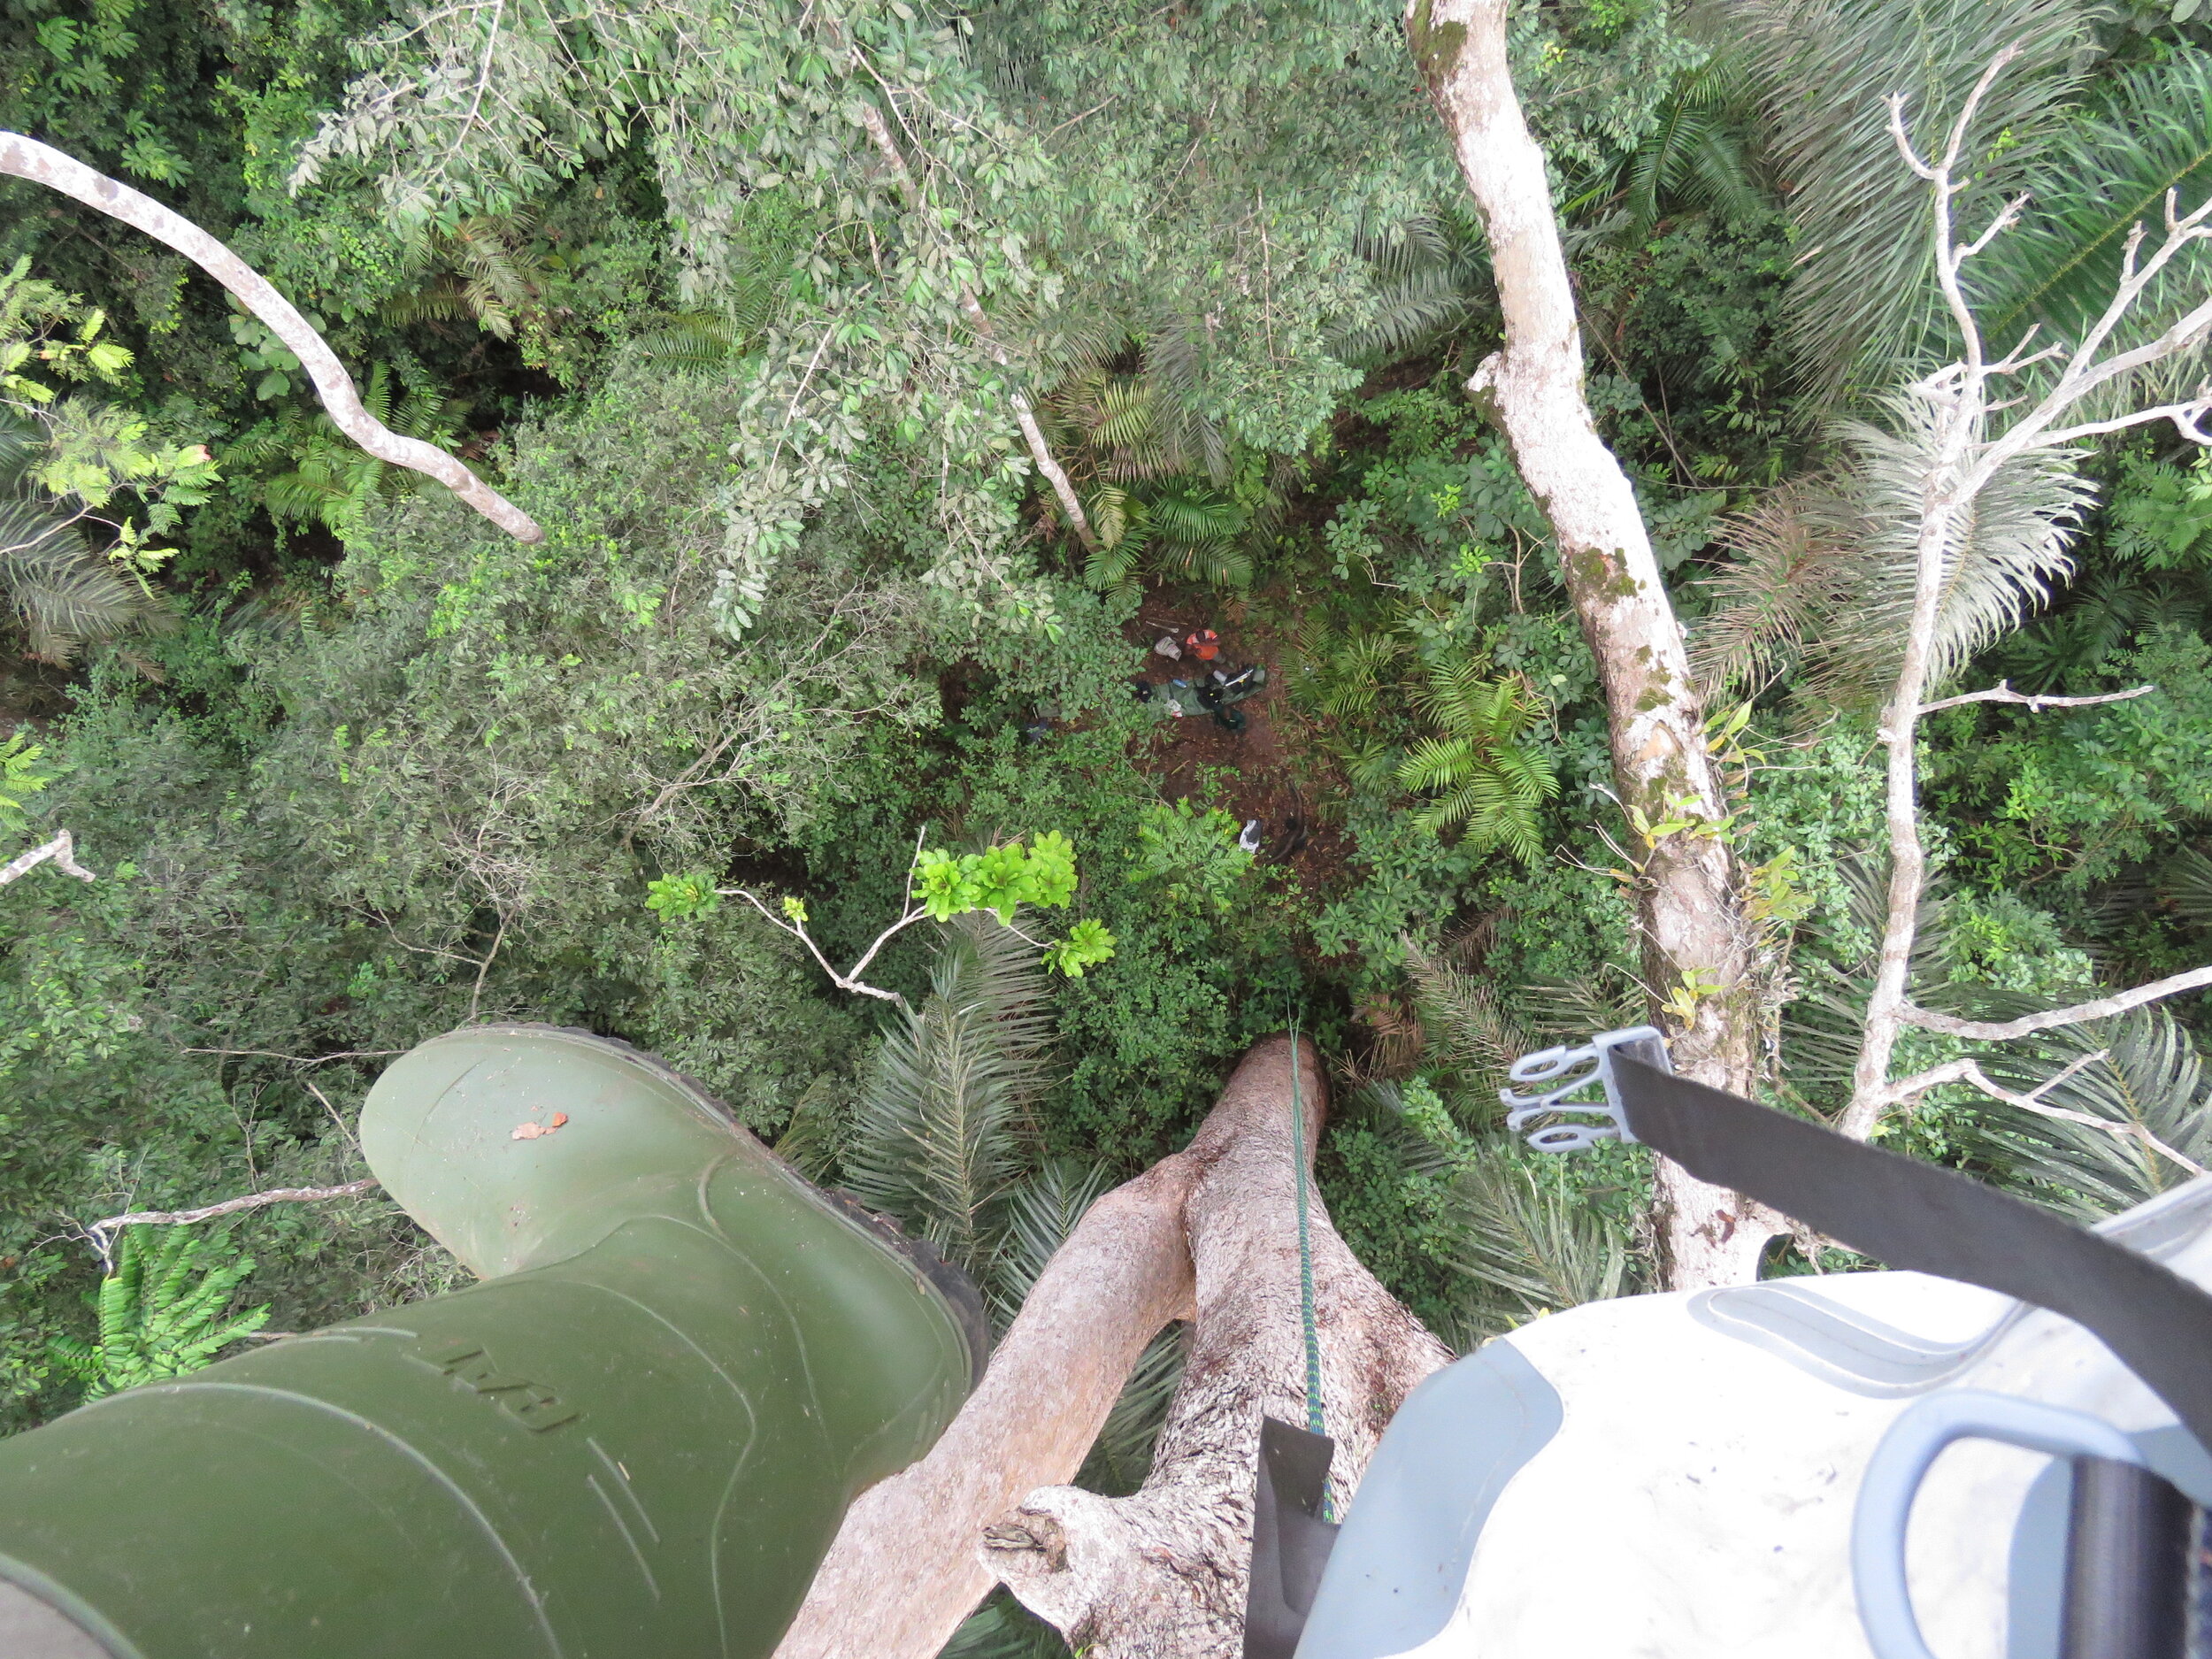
(1266,772)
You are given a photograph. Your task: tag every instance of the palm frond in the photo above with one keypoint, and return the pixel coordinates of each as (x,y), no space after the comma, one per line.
(1825,568)
(1174,350)
(2002,558)
(2151,1078)
(1789,574)
(2098,176)
(1469,1028)
(691,339)
(936,1139)
(1530,1244)
(1002,1628)
(61,592)
(1040,1213)
(1864,301)
(2188,886)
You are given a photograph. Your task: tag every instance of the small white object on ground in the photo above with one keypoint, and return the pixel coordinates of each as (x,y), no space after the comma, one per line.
(1250,839)
(1165,646)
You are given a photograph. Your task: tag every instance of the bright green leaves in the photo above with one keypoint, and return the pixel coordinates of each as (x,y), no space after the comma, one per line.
(691,894)
(1087,944)
(999,878)
(164,1311)
(1193,855)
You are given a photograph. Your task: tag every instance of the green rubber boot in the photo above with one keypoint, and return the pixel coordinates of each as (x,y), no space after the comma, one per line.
(634,1441)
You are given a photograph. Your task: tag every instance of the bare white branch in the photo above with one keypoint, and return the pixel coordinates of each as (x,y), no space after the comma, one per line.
(1971,448)
(844,981)
(2002,692)
(2080,1013)
(230,1206)
(1970,1072)
(62,850)
(28,158)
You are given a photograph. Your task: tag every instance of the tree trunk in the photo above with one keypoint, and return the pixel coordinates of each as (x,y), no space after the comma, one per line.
(26,158)
(1164,1572)
(1689,910)
(902,1572)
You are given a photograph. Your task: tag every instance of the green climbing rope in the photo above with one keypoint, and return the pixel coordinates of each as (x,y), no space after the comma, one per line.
(1305,1241)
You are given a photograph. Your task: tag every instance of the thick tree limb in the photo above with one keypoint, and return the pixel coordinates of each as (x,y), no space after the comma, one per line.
(1165,1572)
(903,1572)
(1689,905)
(62,849)
(1208,1233)
(28,158)
(231,1206)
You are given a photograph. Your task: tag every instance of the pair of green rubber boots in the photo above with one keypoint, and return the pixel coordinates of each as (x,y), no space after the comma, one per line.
(635,1438)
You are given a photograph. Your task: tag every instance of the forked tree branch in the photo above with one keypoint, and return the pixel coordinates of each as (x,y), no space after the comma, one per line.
(28,158)
(910,913)
(1967,457)
(1970,1071)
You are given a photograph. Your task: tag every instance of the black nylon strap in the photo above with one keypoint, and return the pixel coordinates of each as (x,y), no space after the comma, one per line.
(1932,1220)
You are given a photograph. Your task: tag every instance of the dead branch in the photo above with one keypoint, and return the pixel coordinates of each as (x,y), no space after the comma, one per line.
(1970,1071)
(1969,455)
(2079,1013)
(794,925)
(62,850)
(230,1206)
(2002,692)
(28,158)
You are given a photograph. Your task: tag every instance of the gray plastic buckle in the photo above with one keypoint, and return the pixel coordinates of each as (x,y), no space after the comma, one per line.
(1569,1070)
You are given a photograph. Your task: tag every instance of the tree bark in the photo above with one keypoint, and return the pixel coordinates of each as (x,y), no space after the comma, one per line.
(902,1572)
(1209,1233)
(28,158)
(1164,1572)
(1689,909)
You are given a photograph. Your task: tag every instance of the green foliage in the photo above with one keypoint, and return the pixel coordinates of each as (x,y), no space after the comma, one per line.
(21,775)
(1192,854)
(1490,785)
(948,1102)
(999,878)
(165,1310)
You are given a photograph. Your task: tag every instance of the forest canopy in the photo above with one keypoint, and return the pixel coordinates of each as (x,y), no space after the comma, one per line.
(904,393)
